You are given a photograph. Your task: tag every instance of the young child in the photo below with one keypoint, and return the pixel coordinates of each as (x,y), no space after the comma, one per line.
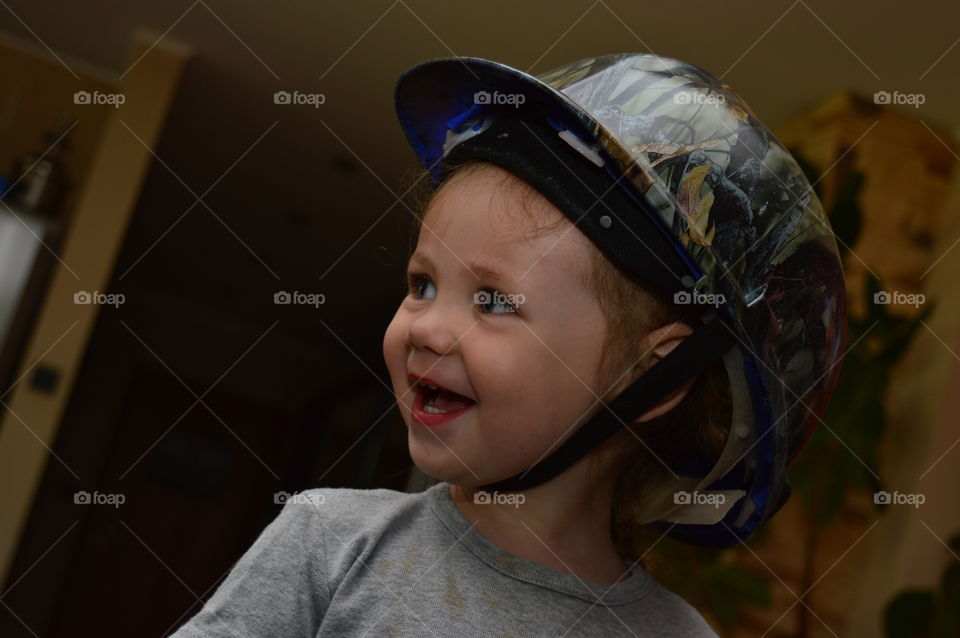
(624,318)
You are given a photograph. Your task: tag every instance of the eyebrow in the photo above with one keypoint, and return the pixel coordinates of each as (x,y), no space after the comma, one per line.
(480,270)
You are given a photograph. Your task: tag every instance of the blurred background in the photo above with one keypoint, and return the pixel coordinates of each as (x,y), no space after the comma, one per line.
(173,173)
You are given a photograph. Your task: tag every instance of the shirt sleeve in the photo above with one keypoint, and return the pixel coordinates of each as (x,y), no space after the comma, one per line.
(278,587)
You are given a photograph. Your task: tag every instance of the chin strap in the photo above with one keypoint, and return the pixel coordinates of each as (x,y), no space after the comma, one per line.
(708,342)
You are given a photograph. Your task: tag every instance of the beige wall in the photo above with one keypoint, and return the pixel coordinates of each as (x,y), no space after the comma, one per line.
(100,214)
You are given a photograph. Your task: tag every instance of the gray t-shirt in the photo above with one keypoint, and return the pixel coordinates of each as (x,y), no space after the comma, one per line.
(349,563)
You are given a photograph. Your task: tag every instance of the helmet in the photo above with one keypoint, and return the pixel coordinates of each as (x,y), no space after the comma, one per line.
(709,206)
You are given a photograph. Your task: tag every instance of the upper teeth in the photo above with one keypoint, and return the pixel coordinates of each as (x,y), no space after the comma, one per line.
(432,387)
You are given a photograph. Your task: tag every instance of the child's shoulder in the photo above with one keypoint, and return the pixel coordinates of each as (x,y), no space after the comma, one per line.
(357,509)
(674,614)
(354,499)
(354,523)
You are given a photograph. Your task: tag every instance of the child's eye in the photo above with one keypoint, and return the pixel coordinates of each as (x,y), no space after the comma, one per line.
(416,284)
(488,300)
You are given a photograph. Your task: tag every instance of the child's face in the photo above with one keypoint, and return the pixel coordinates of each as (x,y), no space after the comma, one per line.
(531,372)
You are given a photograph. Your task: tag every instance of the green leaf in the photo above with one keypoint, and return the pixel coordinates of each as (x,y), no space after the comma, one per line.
(901,335)
(750,587)
(845,214)
(875,311)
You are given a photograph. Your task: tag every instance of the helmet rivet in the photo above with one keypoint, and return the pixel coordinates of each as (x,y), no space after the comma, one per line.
(605,221)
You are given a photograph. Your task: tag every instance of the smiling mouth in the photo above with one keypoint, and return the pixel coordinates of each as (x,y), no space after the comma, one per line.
(434,400)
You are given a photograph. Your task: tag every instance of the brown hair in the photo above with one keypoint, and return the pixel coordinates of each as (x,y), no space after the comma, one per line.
(631,309)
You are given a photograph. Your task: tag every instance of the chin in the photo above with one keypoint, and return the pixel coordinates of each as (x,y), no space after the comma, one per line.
(440,464)
(450,470)
(438,472)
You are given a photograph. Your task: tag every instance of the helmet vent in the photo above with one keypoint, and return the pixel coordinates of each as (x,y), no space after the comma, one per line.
(567,136)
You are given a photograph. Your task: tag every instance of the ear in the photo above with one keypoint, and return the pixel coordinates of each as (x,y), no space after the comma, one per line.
(657,345)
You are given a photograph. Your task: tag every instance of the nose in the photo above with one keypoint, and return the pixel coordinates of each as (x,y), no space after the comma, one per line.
(436,328)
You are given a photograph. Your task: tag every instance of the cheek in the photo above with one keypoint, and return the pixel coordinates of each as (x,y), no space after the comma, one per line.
(536,387)
(394,349)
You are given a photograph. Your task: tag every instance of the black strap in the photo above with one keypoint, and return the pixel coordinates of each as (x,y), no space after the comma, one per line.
(706,344)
